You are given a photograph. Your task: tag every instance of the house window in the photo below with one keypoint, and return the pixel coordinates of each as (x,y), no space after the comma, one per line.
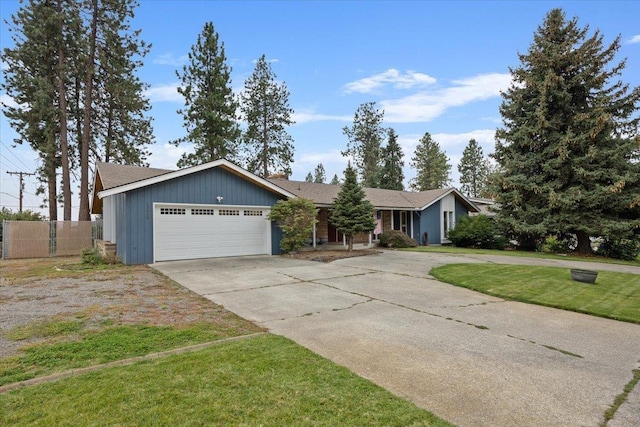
(229,212)
(201,211)
(253,213)
(403,221)
(173,211)
(447,222)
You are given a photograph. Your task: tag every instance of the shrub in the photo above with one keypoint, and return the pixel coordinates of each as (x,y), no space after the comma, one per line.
(396,239)
(626,249)
(559,245)
(296,218)
(477,232)
(91,257)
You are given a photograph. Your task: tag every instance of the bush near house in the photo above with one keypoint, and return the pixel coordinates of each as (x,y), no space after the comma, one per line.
(396,239)
(477,232)
(296,218)
(626,249)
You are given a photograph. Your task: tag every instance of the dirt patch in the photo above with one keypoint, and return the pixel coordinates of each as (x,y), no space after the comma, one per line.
(331,255)
(44,290)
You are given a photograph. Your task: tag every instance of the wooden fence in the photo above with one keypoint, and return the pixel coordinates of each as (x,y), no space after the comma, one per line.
(41,239)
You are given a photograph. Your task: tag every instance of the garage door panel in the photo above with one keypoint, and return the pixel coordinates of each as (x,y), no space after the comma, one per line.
(205,232)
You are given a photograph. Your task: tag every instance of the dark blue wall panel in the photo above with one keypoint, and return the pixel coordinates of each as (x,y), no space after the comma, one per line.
(199,188)
(430,222)
(461,210)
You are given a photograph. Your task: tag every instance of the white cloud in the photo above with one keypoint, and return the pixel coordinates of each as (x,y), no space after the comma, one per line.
(8,101)
(634,39)
(390,77)
(166,156)
(170,59)
(424,106)
(310,116)
(164,93)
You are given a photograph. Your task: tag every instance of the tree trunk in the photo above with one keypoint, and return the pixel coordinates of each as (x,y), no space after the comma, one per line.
(584,243)
(350,242)
(265,146)
(86,129)
(64,145)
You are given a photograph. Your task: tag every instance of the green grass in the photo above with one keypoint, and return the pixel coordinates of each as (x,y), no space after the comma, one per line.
(90,347)
(265,380)
(522,254)
(614,295)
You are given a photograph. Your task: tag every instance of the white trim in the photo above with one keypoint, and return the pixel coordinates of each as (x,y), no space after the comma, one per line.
(194,169)
(451,190)
(216,206)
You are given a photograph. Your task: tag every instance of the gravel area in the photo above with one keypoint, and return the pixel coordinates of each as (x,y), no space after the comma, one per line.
(43,290)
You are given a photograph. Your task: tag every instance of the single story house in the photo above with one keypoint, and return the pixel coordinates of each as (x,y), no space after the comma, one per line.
(219,209)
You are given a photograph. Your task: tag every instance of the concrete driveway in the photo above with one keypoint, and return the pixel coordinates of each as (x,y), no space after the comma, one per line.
(472,359)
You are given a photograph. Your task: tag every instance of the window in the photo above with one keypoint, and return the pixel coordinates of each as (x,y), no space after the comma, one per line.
(447,222)
(201,211)
(252,213)
(229,212)
(173,211)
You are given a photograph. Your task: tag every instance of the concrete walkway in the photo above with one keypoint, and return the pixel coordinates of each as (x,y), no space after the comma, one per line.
(472,359)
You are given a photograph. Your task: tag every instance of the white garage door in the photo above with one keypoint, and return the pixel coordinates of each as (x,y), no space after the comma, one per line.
(190,231)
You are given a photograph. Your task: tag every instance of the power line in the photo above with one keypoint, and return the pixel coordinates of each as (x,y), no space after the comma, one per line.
(13,154)
(21,175)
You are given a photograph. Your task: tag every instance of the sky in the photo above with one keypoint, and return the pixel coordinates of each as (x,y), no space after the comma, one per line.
(431,66)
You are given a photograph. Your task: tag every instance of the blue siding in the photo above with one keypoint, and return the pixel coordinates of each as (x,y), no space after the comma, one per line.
(430,223)
(461,210)
(121,229)
(417,235)
(198,188)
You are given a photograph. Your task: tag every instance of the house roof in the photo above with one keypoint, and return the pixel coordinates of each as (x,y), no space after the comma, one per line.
(113,179)
(324,194)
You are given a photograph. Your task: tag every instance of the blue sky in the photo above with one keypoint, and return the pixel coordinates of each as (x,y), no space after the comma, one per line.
(434,67)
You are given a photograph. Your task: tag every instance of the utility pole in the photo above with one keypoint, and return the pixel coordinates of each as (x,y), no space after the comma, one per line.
(21,174)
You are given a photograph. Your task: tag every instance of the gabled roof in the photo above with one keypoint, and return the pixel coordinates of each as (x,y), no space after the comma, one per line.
(114,179)
(324,194)
(111,179)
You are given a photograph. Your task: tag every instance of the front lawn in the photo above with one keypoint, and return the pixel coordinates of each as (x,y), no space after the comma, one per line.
(614,295)
(264,380)
(523,254)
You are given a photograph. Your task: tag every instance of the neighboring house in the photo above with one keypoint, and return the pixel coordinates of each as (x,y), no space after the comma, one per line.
(486,206)
(219,209)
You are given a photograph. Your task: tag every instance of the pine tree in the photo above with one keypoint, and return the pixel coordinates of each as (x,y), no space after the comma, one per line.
(335,180)
(265,106)
(352,212)
(319,175)
(431,164)
(210,106)
(568,146)
(391,174)
(473,168)
(365,139)
(309,177)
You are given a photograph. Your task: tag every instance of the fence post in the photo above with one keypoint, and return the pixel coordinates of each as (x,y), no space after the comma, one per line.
(5,231)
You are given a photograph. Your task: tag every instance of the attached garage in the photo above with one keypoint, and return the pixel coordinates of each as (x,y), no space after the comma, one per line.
(209,231)
(212,210)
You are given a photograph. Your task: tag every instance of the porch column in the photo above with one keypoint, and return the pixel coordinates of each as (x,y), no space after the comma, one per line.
(314,235)
(392,227)
(411,213)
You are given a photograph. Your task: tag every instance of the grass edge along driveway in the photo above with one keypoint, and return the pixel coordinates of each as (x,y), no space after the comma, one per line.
(265,380)
(614,295)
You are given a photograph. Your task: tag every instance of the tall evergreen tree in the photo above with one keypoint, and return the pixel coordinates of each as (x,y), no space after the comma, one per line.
(309,177)
(352,212)
(319,175)
(335,180)
(210,106)
(365,139)
(474,170)
(391,174)
(265,106)
(431,164)
(568,146)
